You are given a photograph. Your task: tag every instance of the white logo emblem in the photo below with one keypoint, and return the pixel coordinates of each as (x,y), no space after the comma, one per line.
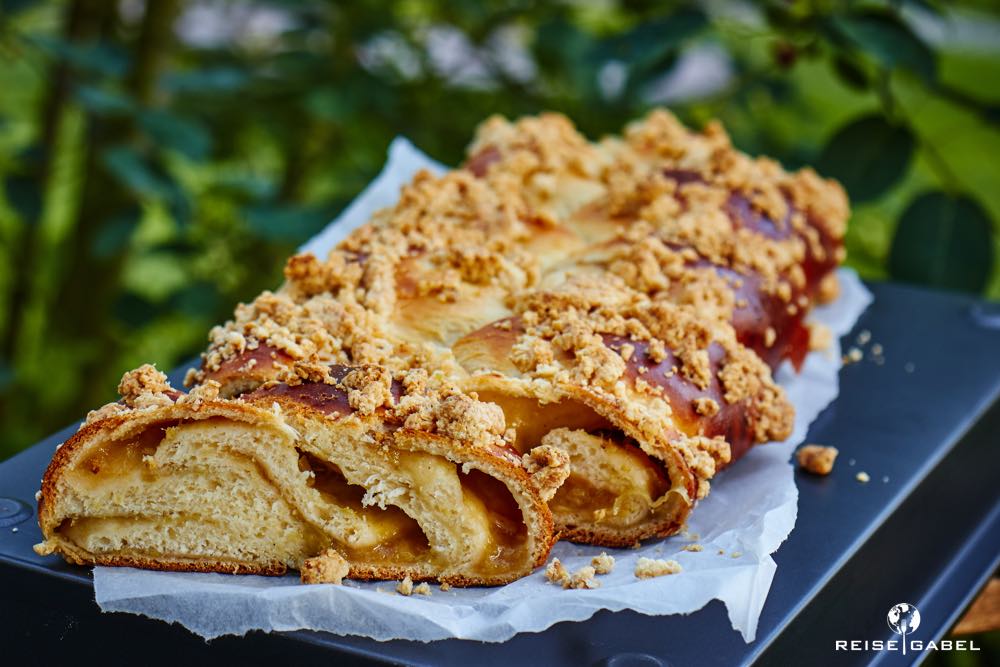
(904,619)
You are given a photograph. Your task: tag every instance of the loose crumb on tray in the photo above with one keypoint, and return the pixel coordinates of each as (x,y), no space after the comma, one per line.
(817,459)
(422,589)
(405,587)
(693,548)
(863,477)
(647,568)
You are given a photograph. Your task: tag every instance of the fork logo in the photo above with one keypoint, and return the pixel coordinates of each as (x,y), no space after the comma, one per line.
(904,619)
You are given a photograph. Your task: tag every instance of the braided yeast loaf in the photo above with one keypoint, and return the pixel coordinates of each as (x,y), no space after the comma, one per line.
(615,300)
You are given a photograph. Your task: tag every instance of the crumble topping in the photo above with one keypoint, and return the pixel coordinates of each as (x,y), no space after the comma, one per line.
(368,388)
(548,466)
(145,387)
(820,337)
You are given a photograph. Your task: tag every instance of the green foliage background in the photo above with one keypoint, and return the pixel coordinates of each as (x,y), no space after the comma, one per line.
(151,180)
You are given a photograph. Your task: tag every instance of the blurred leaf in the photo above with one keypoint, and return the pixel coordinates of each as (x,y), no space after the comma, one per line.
(114,235)
(284,223)
(650,41)
(6,375)
(103,101)
(245,184)
(943,241)
(185,135)
(850,72)
(135,173)
(11,7)
(215,80)
(868,156)
(336,105)
(565,53)
(201,300)
(134,311)
(101,58)
(24,195)
(930,6)
(889,41)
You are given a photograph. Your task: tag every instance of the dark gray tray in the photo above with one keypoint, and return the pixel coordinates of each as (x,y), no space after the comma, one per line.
(929,536)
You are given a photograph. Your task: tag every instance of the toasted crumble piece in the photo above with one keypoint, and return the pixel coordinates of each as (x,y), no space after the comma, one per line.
(817,459)
(405,587)
(556,572)
(647,568)
(736,554)
(583,578)
(467,419)
(327,568)
(853,356)
(694,548)
(829,288)
(445,586)
(422,589)
(820,337)
(145,379)
(863,477)
(706,406)
(549,467)
(603,564)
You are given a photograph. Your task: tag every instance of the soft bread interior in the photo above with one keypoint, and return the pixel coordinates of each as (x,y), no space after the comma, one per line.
(245,497)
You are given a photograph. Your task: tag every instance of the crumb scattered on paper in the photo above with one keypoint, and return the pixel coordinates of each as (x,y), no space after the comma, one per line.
(327,568)
(445,586)
(647,568)
(556,572)
(863,477)
(422,589)
(603,564)
(582,578)
(405,587)
(693,547)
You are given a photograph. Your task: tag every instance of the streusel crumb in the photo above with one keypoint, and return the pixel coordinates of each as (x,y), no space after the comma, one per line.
(603,564)
(817,459)
(327,568)
(647,568)
(405,587)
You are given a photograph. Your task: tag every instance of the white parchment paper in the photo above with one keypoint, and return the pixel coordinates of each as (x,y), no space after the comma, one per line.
(750,511)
